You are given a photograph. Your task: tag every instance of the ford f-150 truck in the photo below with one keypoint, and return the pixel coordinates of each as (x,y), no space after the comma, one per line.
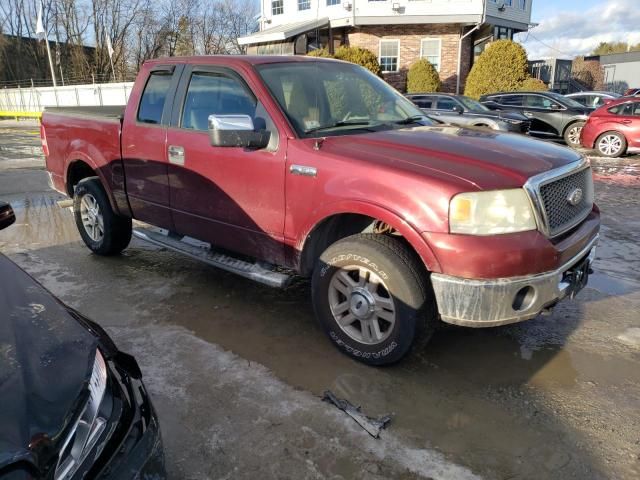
(275,166)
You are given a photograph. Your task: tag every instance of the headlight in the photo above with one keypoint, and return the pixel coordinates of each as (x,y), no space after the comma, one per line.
(90,424)
(491,213)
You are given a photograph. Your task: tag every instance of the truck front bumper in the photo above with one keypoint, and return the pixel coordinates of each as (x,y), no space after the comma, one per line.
(494,302)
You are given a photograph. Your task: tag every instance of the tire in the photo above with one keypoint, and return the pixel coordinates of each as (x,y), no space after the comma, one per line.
(611,144)
(104,232)
(572,134)
(402,304)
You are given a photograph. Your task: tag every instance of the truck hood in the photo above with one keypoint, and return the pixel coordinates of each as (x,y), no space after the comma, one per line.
(46,358)
(486,159)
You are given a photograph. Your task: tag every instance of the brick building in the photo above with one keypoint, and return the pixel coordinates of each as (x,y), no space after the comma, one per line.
(449,33)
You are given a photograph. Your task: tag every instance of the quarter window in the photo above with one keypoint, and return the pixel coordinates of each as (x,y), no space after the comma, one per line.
(389,55)
(304,4)
(153,97)
(277,7)
(430,50)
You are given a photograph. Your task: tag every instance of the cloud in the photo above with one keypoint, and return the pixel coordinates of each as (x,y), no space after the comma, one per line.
(571,33)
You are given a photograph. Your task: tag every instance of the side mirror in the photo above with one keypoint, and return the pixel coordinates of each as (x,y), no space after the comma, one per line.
(7,217)
(236,131)
(458,109)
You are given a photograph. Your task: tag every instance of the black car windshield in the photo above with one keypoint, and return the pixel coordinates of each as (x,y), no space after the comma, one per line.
(471,104)
(334,98)
(566,101)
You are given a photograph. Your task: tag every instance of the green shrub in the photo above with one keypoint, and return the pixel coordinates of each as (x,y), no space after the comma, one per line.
(359,56)
(533,85)
(502,67)
(423,77)
(320,52)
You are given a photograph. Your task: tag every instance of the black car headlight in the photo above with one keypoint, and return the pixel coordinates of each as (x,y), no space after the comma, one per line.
(89,426)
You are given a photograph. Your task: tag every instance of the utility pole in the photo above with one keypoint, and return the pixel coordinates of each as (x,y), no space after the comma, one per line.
(40,30)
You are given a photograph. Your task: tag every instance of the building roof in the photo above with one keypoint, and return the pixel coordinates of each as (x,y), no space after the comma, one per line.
(283,32)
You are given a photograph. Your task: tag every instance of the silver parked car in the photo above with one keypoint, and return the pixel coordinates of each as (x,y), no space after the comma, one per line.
(466,112)
(593,99)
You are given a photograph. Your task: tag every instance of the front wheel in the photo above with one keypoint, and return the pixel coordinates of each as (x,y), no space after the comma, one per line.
(104,232)
(371,298)
(611,144)
(572,134)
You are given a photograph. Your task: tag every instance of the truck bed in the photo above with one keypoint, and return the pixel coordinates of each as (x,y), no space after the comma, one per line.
(115,112)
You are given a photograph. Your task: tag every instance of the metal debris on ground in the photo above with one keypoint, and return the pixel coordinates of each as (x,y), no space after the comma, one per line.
(372,426)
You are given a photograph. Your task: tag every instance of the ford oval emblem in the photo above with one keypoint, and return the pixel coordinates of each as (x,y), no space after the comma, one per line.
(575,197)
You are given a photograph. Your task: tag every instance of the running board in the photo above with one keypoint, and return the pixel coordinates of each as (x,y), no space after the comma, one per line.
(202,251)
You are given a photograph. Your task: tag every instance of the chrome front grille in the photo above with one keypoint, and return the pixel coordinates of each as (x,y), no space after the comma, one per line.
(563,197)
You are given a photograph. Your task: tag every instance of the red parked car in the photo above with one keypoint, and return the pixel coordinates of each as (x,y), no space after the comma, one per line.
(319,168)
(614,128)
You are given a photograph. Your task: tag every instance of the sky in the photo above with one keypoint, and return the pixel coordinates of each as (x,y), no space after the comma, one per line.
(575,27)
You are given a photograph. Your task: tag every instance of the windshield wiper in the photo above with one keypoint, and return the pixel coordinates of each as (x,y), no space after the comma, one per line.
(338,124)
(410,120)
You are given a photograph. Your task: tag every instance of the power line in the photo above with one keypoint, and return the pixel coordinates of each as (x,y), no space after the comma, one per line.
(529,34)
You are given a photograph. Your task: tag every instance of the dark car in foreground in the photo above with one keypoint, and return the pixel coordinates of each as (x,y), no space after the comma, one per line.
(467,112)
(552,115)
(614,128)
(593,99)
(71,404)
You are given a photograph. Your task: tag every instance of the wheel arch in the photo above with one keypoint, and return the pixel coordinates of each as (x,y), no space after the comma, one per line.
(358,218)
(80,167)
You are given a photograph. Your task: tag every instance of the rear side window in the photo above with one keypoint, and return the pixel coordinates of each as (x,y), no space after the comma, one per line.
(423,102)
(510,100)
(213,93)
(626,109)
(154,97)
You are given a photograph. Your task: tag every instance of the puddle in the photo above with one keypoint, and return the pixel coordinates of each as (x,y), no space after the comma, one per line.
(611,285)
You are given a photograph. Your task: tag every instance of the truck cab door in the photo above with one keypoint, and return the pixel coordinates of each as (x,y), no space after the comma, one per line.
(231,197)
(143,141)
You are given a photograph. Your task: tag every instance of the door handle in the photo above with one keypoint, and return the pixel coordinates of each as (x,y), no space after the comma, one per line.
(303,170)
(176,154)
(528,114)
(626,122)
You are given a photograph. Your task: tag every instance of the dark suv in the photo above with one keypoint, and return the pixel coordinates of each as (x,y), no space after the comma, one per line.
(552,115)
(467,112)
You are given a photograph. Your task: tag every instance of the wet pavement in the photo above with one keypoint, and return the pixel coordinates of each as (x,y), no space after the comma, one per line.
(236,370)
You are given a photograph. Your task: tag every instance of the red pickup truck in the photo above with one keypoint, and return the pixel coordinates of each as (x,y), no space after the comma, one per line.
(273,166)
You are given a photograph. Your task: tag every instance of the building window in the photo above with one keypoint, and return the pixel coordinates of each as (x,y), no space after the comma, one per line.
(333,2)
(502,33)
(277,7)
(389,55)
(523,4)
(430,50)
(304,4)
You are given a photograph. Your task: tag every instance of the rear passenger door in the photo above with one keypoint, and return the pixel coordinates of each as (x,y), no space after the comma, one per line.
(232,197)
(547,116)
(143,147)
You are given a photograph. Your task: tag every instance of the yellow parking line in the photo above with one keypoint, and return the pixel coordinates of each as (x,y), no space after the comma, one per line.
(9,113)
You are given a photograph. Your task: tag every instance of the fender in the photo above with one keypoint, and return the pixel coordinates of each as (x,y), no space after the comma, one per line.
(408,231)
(79,155)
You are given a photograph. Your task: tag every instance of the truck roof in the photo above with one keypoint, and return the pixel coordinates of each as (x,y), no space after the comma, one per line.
(237,59)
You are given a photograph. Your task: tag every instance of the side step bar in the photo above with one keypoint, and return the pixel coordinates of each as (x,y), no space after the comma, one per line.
(202,251)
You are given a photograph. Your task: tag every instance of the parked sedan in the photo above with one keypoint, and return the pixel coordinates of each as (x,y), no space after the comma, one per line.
(552,115)
(593,99)
(72,405)
(614,128)
(467,112)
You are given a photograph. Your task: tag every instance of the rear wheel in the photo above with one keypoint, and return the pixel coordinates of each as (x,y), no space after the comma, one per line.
(611,144)
(104,232)
(371,298)
(572,134)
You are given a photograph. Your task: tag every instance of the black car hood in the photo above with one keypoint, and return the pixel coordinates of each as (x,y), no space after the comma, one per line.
(46,357)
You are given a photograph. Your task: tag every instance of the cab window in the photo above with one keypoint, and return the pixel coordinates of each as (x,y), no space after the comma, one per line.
(154,97)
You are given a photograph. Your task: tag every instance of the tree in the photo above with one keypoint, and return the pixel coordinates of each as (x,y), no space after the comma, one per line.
(607,48)
(589,73)
(533,85)
(184,39)
(320,52)
(502,67)
(423,77)
(359,56)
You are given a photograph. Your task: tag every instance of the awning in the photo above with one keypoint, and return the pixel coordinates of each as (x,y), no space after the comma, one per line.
(283,32)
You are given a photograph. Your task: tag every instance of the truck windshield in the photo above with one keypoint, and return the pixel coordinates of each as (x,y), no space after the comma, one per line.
(335,98)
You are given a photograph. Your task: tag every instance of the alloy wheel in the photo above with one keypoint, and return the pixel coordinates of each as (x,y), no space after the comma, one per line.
(361,304)
(610,145)
(91,216)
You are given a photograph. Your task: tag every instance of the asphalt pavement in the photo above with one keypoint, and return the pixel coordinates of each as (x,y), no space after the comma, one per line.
(237,370)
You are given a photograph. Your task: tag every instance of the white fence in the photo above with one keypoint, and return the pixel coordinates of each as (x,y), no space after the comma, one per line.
(37,98)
